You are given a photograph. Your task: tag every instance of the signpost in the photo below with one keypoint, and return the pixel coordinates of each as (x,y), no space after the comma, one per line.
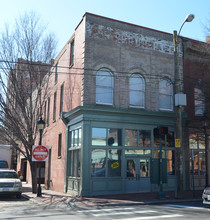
(40,153)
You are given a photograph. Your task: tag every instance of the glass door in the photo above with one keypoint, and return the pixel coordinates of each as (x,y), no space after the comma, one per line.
(137,174)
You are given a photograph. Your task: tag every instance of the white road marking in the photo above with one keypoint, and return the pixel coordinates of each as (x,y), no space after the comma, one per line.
(123,213)
(183,206)
(152,217)
(101,210)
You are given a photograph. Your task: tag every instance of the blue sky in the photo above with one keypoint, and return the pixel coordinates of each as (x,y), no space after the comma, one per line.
(63,16)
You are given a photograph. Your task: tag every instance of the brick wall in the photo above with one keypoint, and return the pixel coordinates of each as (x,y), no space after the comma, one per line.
(125,49)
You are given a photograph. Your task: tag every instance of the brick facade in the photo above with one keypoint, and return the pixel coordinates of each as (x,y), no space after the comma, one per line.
(124,49)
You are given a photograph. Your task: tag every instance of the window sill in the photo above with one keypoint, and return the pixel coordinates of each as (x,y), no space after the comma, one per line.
(166,110)
(137,107)
(71,65)
(105,104)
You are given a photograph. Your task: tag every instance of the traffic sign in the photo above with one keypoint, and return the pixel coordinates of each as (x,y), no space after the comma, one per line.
(40,153)
(177,143)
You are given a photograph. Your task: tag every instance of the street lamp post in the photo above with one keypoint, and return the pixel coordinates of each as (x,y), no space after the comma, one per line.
(205,122)
(178,108)
(41,125)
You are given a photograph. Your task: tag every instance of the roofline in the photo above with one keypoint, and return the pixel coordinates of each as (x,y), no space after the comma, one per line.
(122,22)
(127,23)
(135,25)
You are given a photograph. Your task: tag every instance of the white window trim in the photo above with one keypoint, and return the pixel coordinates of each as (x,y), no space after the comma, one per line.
(106,87)
(166,94)
(141,91)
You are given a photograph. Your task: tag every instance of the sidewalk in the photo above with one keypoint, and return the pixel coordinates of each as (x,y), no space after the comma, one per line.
(53,198)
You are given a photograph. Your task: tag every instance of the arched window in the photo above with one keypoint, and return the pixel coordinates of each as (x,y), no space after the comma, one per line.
(166,95)
(137,91)
(104,87)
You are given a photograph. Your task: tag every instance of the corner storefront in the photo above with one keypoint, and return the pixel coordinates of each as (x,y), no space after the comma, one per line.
(111,151)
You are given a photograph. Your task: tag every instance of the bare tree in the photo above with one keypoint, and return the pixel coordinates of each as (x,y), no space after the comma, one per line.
(26,53)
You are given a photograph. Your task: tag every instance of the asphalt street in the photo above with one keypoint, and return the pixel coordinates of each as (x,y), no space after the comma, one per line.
(11,208)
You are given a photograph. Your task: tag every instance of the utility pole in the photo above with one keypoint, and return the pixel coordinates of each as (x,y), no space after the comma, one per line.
(180,100)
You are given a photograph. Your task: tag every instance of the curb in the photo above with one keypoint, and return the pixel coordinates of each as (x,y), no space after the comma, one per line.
(126,203)
(148,202)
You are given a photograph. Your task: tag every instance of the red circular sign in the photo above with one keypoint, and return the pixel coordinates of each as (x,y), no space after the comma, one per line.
(40,153)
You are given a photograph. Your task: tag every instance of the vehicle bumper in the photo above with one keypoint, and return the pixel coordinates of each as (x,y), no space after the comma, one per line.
(4,191)
(206,199)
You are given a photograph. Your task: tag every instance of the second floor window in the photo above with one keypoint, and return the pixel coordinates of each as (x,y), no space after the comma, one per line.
(165,95)
(54,106)
(72,53)
(56,73)
(61,99)
(199,101)
(137,91)
(48,111)
(104,87)
(45,111)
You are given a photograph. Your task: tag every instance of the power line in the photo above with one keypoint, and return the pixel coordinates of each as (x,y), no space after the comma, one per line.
(84,71)
(66,67)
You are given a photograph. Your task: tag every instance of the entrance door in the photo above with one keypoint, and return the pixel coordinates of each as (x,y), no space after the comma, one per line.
(137,174)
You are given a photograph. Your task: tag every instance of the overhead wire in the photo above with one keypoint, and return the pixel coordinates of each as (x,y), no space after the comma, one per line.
(70,72)
(77,71)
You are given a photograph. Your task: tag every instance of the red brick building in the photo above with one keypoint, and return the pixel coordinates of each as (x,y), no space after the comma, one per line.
(110,86)
(196,86)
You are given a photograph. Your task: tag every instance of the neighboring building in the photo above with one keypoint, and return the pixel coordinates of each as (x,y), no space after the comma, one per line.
(23,80)
(111,85)
(196,86)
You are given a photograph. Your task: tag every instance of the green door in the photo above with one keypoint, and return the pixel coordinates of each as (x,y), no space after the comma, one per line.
(137,175)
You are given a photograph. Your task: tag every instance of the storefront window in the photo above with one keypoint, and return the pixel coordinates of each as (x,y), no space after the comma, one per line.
(193,143)
(98,163)
(137,138)
(157,154)
(114,162)
(72,139)
(166,140)
(75,160)
(138,152)
(202,163)
(106,137)
(80,137)
(99,136)
(170,162)
(144,138)
(114,137)
(197,155)
(131,138)
(75,138)
(170,139)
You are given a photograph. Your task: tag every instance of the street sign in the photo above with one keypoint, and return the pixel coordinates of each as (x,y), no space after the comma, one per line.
(40,153)
(177,143)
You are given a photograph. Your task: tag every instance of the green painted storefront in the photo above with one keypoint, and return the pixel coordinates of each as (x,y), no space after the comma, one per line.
(112,151)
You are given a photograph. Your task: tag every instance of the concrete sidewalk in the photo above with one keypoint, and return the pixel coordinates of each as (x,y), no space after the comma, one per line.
(54,198)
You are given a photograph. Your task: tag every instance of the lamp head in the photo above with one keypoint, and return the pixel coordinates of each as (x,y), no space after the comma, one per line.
(41,124)
(189,18)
